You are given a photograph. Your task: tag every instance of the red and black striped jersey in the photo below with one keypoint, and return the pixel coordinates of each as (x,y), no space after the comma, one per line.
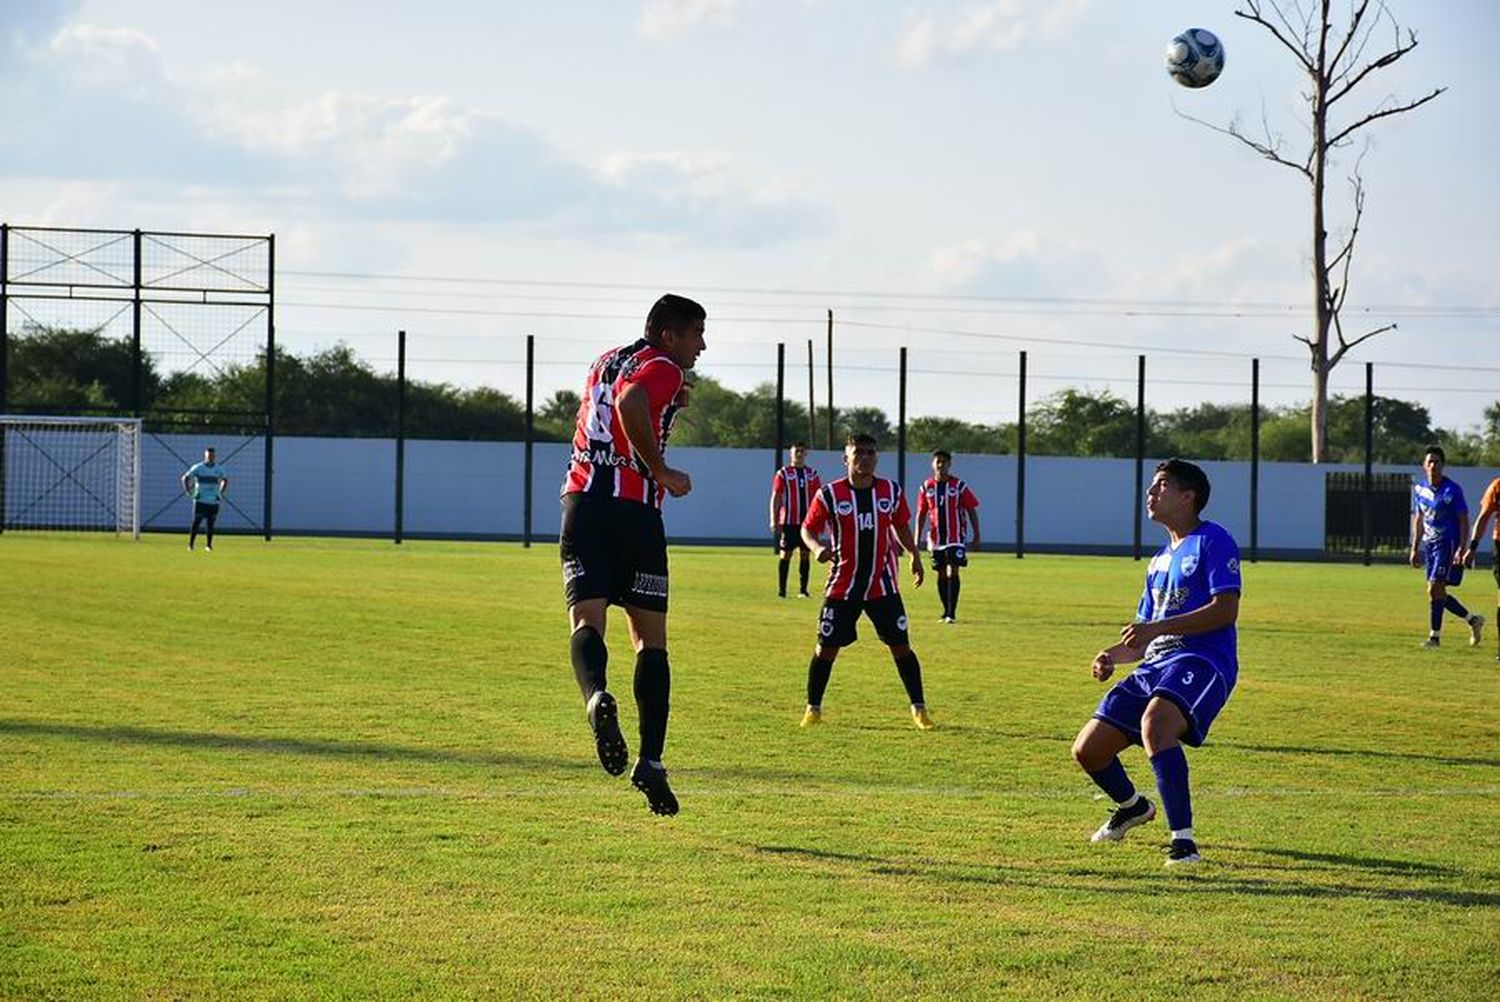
(941,504)
(794,487)
(603,460)
(860,520)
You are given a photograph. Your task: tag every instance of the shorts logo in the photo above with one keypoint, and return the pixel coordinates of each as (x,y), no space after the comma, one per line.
(901,622)
(844,507)
(826,628)
(571,569)
(1189,564)
(654,585)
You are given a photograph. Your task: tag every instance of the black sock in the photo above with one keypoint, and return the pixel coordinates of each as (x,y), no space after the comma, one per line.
(953,596)
(943,592)
(193,536)
(910,670)
(1456,607)
(782,566)
(803,568)
(590,659)
(1435,616)
(818,673)
(653,699)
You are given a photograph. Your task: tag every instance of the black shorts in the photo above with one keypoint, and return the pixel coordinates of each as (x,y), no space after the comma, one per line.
(839,621)
(615,550)
(789,538)
(204,509)
(950,556)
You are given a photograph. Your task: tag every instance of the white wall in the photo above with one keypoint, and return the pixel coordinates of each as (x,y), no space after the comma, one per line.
(460,489)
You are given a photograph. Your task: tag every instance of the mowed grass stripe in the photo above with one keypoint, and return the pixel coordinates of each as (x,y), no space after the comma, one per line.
(349,769)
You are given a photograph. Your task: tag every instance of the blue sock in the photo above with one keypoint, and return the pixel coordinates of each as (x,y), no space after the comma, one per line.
(1456,607)
(1114,782)
(1172,782)
(1435,620)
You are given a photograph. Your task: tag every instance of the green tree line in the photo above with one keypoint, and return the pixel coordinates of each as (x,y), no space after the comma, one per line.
(333,392)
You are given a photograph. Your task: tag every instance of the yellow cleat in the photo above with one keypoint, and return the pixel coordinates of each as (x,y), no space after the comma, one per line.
(921,719)
(812,717)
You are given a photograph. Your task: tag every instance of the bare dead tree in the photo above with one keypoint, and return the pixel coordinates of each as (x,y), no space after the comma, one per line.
(1336,61)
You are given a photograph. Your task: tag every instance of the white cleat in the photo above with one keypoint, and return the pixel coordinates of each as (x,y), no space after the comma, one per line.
(1476,629)
(1124,819)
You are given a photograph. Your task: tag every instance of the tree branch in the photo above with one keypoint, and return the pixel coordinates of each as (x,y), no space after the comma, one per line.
(1256,17)
(1347,131)
(1346,346)
(1377,64)
(1354,20)
(1270,152)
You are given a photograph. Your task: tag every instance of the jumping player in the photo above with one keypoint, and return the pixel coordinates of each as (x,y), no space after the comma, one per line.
(948,503)
(613,546)
(1184,630)
(1439,527)
(1488,505)
(791,489)
(864,513)
(206,483)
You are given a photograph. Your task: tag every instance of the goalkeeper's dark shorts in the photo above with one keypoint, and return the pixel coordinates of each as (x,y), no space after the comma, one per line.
(205,509)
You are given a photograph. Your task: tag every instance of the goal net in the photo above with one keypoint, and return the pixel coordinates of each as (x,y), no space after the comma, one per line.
(70,473)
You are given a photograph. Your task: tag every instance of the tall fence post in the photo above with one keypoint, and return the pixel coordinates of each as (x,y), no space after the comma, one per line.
(1021,463)
(267,509)
(135,325)
(830,379)
(812,420)
(1364,494)
(901,425)
(1254,460)
(780,402)
(1140,451)
(530,438)
(400,435)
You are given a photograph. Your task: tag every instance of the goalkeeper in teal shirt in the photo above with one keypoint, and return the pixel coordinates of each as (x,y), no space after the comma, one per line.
(206,483)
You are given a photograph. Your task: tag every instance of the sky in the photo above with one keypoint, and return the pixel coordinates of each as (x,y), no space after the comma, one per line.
(966,179)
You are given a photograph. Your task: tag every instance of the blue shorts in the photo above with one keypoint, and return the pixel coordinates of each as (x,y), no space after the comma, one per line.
(1189,681)
(1437,558)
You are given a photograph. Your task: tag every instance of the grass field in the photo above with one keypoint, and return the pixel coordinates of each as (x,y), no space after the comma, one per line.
(343,769)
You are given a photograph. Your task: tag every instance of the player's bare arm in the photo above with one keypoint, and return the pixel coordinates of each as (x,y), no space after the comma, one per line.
(1477,534)
(973,516)
(1222,610)
(909,542)
(634,407)
(1416,535)
(821,553)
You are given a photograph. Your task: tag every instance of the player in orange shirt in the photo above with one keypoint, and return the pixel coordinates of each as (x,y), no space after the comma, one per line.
(1490,505)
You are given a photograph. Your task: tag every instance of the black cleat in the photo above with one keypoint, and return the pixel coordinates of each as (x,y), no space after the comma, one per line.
(653,783)
(604,719)
(1183,850)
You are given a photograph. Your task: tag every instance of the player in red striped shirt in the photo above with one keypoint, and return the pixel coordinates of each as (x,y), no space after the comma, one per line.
(792,490)
(948,503)
(614,549)
(866,516)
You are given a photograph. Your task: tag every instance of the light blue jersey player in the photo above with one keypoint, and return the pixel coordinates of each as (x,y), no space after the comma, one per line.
(1439,526)
(1184,634)
(206,483)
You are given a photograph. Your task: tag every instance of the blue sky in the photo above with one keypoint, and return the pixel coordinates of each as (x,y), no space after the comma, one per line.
(964,178)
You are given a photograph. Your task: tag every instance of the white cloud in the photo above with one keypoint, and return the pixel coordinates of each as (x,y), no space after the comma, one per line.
(121,59)
(668,20)
(988,27)
(1023,263)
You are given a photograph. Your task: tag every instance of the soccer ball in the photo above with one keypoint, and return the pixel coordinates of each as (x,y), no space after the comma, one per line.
(1195,58)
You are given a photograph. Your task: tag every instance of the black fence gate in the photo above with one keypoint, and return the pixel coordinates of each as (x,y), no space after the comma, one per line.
(1356,523)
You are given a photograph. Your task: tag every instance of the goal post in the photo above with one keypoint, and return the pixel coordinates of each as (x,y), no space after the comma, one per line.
(70,473)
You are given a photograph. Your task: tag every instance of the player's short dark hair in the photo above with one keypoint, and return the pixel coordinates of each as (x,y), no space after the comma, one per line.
(942,454)
(209,448)
(672,313)
(1188,477)
(799,444)
(1435,450)
(860,438)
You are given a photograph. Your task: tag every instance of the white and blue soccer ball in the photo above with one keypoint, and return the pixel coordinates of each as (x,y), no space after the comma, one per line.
(1195,58)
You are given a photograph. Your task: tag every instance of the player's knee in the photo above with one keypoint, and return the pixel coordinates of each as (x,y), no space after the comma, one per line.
(1162,726)
(1085,753)
(824,653)
(1437,591)
(899,651)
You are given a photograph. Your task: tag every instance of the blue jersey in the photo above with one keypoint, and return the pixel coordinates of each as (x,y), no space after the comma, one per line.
(1204,564)
(206,481)
(1439,507)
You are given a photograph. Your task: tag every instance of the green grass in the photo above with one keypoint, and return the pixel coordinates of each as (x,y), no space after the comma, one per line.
(317,769)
